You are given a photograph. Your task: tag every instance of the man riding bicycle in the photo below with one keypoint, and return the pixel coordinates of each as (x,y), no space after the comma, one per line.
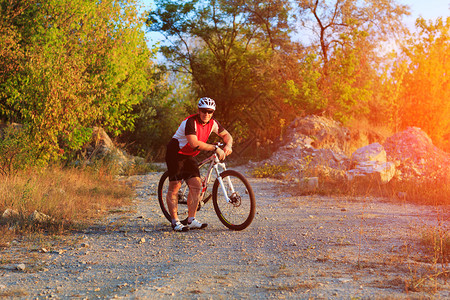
(187,142)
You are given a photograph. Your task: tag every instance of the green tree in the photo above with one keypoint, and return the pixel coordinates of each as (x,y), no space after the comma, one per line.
(11,48)
(82,63)
(329,20)
(341,76)
(158,115)
(229,50)
(344,88)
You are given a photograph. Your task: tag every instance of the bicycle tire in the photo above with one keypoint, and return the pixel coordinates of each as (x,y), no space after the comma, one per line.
(163,186)
(238,214)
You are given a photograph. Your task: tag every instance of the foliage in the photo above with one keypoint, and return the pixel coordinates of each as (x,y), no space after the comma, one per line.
(329,21)
(228,48)
(340,75)
(71,65)
(422,73)
(158,115)
(348,83)
(241,54)
(343,88)
(304,94)
(16,151)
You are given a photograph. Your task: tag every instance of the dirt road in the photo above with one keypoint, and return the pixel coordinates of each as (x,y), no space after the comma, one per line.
(296,248)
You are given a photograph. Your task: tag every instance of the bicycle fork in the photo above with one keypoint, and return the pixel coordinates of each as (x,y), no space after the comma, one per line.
(222,185)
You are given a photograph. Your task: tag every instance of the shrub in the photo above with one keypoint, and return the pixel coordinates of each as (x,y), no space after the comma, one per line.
(16,151)
(270,170)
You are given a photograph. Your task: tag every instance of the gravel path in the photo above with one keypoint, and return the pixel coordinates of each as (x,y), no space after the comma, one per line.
(296,248)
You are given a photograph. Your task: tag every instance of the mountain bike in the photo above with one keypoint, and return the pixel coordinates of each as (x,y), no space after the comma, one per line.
(232,195)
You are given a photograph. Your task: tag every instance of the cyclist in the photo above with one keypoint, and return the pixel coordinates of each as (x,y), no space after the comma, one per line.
(187,142)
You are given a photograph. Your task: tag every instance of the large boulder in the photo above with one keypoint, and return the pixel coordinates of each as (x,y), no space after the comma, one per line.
(314,149)
(370,163)
(325,133)
(312,141)
(101,147)
(416,156)
(373,152)
(100,144)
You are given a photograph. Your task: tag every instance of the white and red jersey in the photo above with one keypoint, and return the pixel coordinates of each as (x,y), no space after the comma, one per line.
(192,125)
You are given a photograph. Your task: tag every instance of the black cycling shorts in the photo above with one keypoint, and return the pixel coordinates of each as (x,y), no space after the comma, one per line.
(180,166)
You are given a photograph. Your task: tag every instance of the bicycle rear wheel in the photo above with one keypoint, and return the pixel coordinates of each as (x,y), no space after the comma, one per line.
(182,197)
(240,211)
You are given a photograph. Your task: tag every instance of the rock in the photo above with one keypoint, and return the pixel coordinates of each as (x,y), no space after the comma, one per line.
(309,184)
(40,218)
(373,171)
(327,133)
(9,214)
(416,156)
(101,147)
(310,142)
(315,146)
(20,267)
(369,163)
(373,152)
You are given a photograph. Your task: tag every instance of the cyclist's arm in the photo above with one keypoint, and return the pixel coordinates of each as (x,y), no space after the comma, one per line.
(228,140)
(199,145)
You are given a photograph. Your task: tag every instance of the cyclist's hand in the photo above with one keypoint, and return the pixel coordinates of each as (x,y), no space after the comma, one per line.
(221,153)
(227,149)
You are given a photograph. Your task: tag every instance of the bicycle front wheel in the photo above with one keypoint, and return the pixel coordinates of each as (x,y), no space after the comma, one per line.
(239,211)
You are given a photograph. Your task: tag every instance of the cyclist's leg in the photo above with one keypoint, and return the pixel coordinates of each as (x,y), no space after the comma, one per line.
(192,177)
(172,199)
(174,166)
(195,187)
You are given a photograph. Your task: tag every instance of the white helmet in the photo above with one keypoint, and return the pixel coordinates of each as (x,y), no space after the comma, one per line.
(206,102)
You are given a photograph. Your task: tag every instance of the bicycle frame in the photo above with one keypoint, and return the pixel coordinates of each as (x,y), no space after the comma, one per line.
(214,165)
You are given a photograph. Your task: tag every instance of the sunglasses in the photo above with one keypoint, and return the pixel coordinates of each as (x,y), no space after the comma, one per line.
(207,111)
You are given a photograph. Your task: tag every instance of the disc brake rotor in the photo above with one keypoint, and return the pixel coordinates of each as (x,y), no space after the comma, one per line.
(235,199)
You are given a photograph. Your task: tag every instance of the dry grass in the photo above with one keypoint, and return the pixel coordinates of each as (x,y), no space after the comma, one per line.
(69,196)
(431,191)
(436,241)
